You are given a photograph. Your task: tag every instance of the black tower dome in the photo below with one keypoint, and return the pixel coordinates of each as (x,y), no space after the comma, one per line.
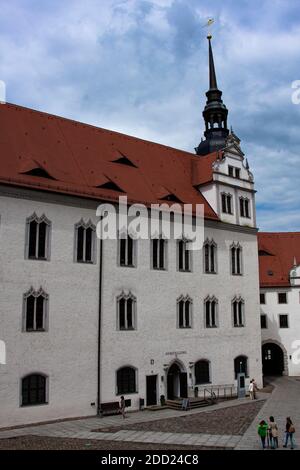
(215,114)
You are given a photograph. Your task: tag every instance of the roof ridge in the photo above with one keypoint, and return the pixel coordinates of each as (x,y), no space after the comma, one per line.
(101,129)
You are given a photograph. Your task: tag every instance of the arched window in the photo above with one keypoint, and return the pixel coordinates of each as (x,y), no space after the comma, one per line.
(238,312)
(210,312)
(210,257)
(202,375)
(126,381)
(85,242)
(236,258)
(35,310)
(184,312)
(38,237)
(241,365)
(34,390)
(126,311)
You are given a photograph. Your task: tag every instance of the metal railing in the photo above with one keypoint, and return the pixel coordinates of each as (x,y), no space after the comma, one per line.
(218,391)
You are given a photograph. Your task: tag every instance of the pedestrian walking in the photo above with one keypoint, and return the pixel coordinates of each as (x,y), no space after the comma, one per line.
(262,432)
(251,390)
(255,389)
(289,432)
(122,406)
(273,433)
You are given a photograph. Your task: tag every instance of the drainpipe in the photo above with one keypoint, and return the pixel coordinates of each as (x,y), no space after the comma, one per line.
(99,329)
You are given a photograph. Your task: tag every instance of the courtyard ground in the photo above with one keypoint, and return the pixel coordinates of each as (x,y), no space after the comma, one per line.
(221,426)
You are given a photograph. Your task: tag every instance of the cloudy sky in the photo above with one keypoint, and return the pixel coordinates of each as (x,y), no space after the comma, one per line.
(140,67)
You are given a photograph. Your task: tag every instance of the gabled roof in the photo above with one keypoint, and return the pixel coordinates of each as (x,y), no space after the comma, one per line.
(278,251)
(78,159)
(202,168)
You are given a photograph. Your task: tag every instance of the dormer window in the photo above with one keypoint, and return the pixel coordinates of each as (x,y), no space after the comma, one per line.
(226,203)
(234,172)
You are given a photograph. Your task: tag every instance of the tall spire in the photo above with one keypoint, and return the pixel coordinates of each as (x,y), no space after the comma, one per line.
(212,72)
(215,113)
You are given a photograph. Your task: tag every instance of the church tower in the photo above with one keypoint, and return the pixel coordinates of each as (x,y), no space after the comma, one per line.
(215,113)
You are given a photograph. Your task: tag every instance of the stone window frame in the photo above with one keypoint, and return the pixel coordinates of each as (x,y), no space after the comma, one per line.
(211,244)
(36,294)
(245,211)
(230,196)
(236,245)
(85,226)
(38,220)
(126,297)
(185,241)
(238,299)
(185,299)
(211,299)
(42,374)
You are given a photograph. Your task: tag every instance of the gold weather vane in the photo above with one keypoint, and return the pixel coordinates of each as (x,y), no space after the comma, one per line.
(207,25)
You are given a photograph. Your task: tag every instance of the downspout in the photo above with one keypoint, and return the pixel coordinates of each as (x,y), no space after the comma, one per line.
(99,329)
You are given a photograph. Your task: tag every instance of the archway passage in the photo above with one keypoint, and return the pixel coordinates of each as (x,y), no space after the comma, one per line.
(177,382)
(272,359)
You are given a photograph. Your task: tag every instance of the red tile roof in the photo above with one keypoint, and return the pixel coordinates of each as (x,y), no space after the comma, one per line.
(79,158)
(278,251)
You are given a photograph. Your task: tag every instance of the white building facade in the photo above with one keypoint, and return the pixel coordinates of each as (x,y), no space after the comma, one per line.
(280,302)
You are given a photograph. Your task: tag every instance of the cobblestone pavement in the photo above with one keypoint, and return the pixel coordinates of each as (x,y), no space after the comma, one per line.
(284,401)
(226,421)
(82,428)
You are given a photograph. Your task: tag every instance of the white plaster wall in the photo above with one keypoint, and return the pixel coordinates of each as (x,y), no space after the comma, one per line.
(284,336)
(156,332)
(67,353)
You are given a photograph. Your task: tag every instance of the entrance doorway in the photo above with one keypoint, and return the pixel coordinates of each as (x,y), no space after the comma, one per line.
(151,389)
(177,382)
(272,359)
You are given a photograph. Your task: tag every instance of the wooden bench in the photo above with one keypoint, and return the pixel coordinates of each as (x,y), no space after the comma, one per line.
(110,408)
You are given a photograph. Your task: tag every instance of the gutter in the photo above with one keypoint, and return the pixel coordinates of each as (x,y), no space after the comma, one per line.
(99,329)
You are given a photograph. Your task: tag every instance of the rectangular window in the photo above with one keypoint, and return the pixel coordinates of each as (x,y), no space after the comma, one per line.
(233,171)
(263,321)
(127,313)
(34,312)
(236,260)
(283,321)
(244,208)
(282,298)
(227,203)
(262,298)
(126,255)
(210,314)
(184,261)
(159,253)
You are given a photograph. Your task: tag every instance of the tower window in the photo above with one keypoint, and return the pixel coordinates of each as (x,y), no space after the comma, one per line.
(234,172)
(236,259)
(210,257)
(35,311)
(127,312)
(127,251)
(184,256)
(85,242)
(210,308)
(38,237)
(244,207)
(159,246)
(238,313)
(227,203)
(184,312)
